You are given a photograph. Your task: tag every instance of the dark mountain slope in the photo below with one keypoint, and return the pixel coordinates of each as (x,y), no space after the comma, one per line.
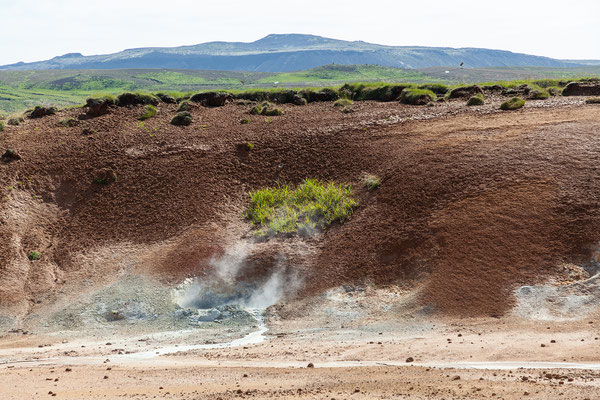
(280,53)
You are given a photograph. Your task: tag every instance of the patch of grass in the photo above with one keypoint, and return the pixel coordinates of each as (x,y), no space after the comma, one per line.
(539,94)
(132,99)
(267,109)
(512,104)
(417,96)
(1,126)
(184,106)
(68,122)
(437,88)
(249,146)
(343,103)
(34,255)
(149,112)
(476,100)
(593,100)
(245,121)
(15,121)
(183,118)
(377,91)
(314,204)
(371,182)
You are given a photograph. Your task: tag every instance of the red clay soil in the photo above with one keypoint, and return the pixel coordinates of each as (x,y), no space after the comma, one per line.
(473,202)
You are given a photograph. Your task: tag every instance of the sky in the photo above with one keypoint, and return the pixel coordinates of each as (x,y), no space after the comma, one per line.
(34,30)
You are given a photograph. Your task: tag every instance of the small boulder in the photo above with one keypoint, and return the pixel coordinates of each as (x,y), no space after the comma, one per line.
(465,92)
(98,106)
(105,176)
(15,121)
(211,99)
(166,98)
(183,118)
(299,100)
(10,155)
(133,99)
(40,111)
(591,88)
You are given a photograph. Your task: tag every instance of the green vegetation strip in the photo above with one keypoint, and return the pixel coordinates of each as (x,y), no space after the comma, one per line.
(312,205)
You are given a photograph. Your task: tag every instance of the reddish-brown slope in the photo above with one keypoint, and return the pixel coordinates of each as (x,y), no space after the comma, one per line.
(473,204)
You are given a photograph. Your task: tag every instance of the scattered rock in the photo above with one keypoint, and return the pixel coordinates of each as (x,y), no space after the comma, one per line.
(410,359)
(456,378)
(40,111)
(310,365)
(10,155)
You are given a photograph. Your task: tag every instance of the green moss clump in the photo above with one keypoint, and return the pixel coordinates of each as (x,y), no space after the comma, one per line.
(166,98)
(371,182)
(34,255)
(183,118)
(132,99)
(476,100)
(68,122)
(512,104)
(437,88)
(417,96)
(343,103)
(312,205)
(539,94)
(184,106)
(267,109)
(245,121)
(1,126)
(15,121)
(149,112)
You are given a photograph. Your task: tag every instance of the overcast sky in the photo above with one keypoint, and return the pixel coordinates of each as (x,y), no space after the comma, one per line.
(33,30)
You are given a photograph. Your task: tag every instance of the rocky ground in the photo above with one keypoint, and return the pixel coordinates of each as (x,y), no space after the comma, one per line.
(480,246)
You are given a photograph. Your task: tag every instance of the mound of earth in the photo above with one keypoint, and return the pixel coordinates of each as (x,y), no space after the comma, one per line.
(472,203)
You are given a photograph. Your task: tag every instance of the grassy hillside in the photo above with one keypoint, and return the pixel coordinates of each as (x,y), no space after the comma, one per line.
(348,73)
(20,90)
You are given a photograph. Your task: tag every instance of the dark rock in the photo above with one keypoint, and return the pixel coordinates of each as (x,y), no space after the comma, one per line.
(10,155)
(105,176)
(299,100)
(410,359)
(310,365)
(591,88)
(98,106)
(166,98)
(211,99)
(182,119)
(39,112)
(15,121)
(133,99)
(465,92)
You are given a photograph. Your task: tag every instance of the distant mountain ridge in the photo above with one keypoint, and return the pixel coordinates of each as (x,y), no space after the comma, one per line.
(291,52)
